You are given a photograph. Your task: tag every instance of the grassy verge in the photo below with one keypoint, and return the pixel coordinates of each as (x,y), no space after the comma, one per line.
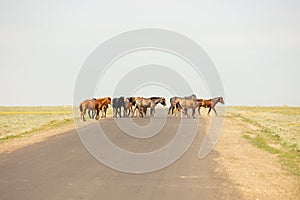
(51,124)
(16,122)
(272,129)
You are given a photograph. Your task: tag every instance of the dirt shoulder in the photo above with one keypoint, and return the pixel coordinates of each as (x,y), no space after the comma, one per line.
(258,173)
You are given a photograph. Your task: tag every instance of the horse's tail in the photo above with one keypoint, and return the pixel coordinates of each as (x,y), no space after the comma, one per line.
(80,107)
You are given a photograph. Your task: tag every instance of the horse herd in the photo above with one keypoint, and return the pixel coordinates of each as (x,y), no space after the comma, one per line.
(134,106)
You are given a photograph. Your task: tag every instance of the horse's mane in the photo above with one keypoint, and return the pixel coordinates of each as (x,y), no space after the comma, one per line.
(193,96)
(154,98)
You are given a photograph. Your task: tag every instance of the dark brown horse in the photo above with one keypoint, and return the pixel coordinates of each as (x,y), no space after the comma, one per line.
(210,103)
(129,102)
(94,104)
(125,103)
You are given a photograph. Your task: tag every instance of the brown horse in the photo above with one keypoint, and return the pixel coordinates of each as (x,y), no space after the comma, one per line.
(210,103)
(94,104)
(143,103)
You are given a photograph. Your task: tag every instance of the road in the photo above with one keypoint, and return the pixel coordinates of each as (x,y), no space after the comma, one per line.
(61,168)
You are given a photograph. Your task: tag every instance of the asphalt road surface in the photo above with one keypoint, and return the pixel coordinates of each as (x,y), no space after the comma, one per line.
(61,168)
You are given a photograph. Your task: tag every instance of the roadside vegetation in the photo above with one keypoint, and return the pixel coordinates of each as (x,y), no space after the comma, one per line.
(272,129)
(18,121)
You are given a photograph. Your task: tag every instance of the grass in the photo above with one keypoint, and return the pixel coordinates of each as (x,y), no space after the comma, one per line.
(16,122)
(260,142)
(274,130)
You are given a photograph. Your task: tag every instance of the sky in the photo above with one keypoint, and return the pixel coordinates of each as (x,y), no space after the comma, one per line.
(255,45)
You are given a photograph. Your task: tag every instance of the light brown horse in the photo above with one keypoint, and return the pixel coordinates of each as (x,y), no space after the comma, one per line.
(210,103)
(174,102)
(93,104)
(185,104)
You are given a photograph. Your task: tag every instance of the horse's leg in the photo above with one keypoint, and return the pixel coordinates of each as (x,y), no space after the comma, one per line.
(171,108)
(215,111)
(124,112)
(105,109)
(82,116)
(128,113)
(134,112)
(120,112)
(142,112)
(98,112)
(94,113)
(83,113)
(209,110)
(89,113)
(193,112)
(199,113)
(186,112)
(101,113)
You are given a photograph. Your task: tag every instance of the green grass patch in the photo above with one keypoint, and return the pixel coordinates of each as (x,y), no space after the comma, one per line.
(261,143)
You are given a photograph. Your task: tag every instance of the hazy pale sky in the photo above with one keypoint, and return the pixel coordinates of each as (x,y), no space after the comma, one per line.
(255,44)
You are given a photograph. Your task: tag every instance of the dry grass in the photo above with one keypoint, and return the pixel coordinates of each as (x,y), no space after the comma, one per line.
(17,121)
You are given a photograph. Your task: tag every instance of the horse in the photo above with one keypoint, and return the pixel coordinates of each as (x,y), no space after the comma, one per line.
(143,103)
(176,109)
(129,102)
(117,104)
(210,103)
(183,102)
(123,102)
(93,104)
(92,112)
(104,110)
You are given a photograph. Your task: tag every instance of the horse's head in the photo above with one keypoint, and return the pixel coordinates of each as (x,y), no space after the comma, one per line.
(221,100)
(132,100)
(107,100)
(200,102)
(163,101)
